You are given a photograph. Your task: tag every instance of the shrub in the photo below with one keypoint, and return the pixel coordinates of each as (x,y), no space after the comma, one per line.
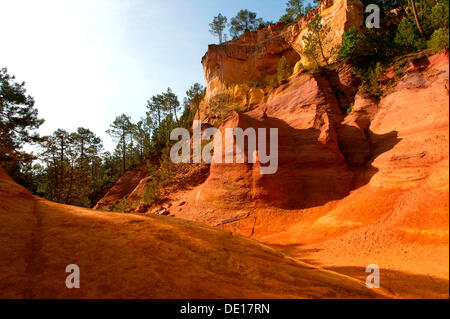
(348,108)
(151,192)
(283,71)
(349,44)
(408,36)
(370,86)
(439,16)
(121,206)
(439,40)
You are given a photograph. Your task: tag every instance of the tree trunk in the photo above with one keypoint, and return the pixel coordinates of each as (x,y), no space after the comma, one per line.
(69,191)
(321,50)
(82,151)
(55,167)
(175,112)
(124,148)
(61,176)
(413,7)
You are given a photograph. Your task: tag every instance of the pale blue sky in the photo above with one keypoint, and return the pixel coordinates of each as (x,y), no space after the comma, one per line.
(87,61)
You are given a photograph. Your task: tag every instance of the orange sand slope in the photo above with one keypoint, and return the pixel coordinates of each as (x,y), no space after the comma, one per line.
(129,256)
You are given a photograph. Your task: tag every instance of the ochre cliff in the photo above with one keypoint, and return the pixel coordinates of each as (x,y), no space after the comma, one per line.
(368,186)
(240,73)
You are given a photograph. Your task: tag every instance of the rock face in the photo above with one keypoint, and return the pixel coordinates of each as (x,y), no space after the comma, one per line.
(311,169)
(398,142)
(337,16)
(370,186)
(239,73)
(127,186)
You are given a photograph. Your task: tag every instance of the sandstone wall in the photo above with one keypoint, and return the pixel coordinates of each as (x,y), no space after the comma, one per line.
(239,73)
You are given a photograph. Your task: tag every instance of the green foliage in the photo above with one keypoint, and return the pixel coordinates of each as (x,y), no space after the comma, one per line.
(161,134)
(245,21)
(439,20)
(18,124)
(152,190)
(120,130)
(265,24)
(384,46)
(350,42)
(283,71)
(217,26)
(348,108)
(166,166)
(368,48)
(120,206)
(191,103)
(439,16)
(370,86)
(74,171)
(439,40)
(315,41)
(408,36)
(295,9)
(431,16)
(161,177)
(375,47)
(160,105)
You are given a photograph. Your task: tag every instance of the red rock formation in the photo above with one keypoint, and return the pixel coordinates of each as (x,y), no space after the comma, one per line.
(239,72)
(311,169)
(370,187)
(123,187)
(130,256)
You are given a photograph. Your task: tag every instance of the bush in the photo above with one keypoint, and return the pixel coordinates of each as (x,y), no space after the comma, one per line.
(408,36)
(368,48)
(350,42)
(283,71)
(439,41)
(439,16)
(121,206)
(370,86)
(348,108)
(151,192)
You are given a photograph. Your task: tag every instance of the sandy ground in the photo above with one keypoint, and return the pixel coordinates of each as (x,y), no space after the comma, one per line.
(130,256)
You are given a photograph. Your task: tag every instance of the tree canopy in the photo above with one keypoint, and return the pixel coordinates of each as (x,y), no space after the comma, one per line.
(245,21)
(217,27)
(120,130)
(18,124)
(295,9)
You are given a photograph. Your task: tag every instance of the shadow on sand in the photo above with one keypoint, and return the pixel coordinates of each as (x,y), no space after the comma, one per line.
(398,283)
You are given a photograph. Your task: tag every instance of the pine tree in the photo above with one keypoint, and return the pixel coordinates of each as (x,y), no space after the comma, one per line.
(18,124)
(294,10)
(217,26)
(156,108)
(245,21)
(171,103)
(120,130)
(314,41)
